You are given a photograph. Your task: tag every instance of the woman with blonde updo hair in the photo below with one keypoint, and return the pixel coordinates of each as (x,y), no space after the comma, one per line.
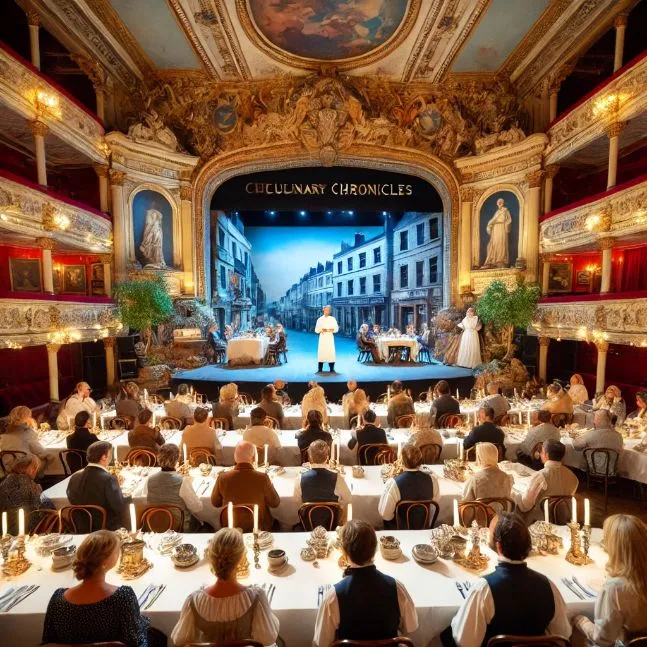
(20,436)
(315,398)
(228,405)
(358,405)
(93,610)
(226,611)
(620,608)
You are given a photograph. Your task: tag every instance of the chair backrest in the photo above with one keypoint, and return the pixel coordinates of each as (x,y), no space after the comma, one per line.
(368,453)
(601,462)
(245,398)
(353,421)
(235,643)
(202,455)
(305,458)
(499,503)
(559,508)
(243,516)
(8,457)
(219,423)
(561,419)
(406,421)
(154,398)
(82,519)
(469,511)
(160,518)
(430,453)
(260,455)
(271,422)
(638,641)
(171,422)
(382,398)
(44,522)
(449,421)
(326,514)
(121,422)
(141,456)
(416,515)
(536,641)
(388,642)
(72,460)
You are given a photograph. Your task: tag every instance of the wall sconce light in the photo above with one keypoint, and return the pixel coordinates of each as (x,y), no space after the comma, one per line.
(46,103)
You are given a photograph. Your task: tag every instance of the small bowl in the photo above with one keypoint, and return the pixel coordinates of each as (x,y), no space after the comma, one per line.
(390,553)
(389,541)
(276,557)
(358,471)
(205,469)
(308,554)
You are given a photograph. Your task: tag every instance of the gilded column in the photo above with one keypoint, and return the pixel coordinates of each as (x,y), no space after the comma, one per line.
(52,367)
(551,172)
(544,273)
(532,223)
(620,24)
(106,259)
(613,132)
(117,179)
(465,245)
(544,342)
(186,193)
(102,173)
(606,245)
(603,349)
(552,102)
(33,20)
(47,245)
(100,95)
(40,130)
(109,347)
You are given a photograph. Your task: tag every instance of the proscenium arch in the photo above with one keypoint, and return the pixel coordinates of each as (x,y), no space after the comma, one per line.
(285,156)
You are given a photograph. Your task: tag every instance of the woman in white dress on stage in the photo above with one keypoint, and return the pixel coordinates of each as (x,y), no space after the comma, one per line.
(469,351)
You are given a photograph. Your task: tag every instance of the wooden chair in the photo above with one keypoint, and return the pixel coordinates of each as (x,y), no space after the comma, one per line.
(48,521)
(160,518)
(416,515)
(537,641)
(272,423)
(382,398)
(245,399)
(260,455)
(326,514)
(236,643)
(171,422)
(304,455)
(219,423)
(424,355)
(121,422)
(202,455)
(14,455)
(72,460)
(601,464)
(141,456)
(560,420)
(559,508)
(499,503)
(406,421)
(431,453)
(639,641)
(244,520)
(449,421)
(388,642)
(82,519)
(353,421)
(469,511)
(367,453)
(154,398)
(385,455)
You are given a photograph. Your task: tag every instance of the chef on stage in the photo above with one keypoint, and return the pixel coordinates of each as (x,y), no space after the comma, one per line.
(326,327)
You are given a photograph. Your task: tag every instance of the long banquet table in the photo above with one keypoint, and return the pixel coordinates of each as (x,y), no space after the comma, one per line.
(432,587)
(247,350)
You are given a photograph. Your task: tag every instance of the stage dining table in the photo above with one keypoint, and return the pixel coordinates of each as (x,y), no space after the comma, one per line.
(432,587)
(247,350)
(384,345)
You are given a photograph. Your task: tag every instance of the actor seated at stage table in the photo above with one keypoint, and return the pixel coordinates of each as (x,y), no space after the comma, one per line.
(514,599)
(94,485)
(315,398)
(486,431)
(202,434)
(400,404)
(216,341)
(257,433)
(20,435)
(603,434)
(641,407)
(611,400)
(81,438)
(80,400)
(357,406)
(620,607)
(443,404)
(541,431)
(366,604)
(495,400)
(577,390)
(364,342)
(489,480)
(270,402)
(411,485)
(313,431)
(243,484)
(143,435)
(179,407)
(227,405)
(369,434)
(554,479)
(559,401)
(351,385)
(129,404)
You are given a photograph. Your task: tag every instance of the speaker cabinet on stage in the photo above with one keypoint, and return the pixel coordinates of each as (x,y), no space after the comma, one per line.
(529,353)
(94,366)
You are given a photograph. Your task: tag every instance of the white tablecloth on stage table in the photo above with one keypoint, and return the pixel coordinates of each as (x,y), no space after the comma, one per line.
(247,350)
(431,587)
(384,344)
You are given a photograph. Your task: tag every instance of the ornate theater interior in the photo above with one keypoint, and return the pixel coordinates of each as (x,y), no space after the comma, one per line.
(417,227)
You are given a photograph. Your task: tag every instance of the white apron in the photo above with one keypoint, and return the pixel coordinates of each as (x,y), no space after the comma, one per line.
(326,350)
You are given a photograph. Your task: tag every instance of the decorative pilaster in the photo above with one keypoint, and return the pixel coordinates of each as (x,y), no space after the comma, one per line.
(620,24)
(33,21)
(603,349)
(544,342)
(544,273)
(186,219)
(102,173)
(613,132)
(606,245)
(52,367)
(47,245)
(465,238)
(532,223)
(117,179)
(95,72)
(551,172)
(39,129)
(109,348)
(106,259)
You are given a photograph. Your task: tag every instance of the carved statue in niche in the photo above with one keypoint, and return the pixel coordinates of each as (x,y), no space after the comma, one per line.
(152,245)
(498,228)
(151,130)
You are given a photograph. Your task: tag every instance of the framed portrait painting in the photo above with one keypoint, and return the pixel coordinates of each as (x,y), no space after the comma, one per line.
(560,277)
(584,277)
(74,280)
(25,274)
(97,282)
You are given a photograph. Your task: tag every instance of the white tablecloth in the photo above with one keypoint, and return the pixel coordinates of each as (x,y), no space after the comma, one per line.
(432,588)
(384,345)
(247,350)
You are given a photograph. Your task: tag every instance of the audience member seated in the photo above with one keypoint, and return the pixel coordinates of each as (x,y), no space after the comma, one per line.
(611,401)
(167,487)
(425,436)
(202,434)
(227,405)
(348,396)
(368,343)
(489,480)
(443,403)
(366,604)
(257,433)
(400,404)
(369,434)
(80,400)
(19,490)
(411,485)
(95,611)
(554,479)
(620,607)
(94,485)
(81,438)
(278,340)
(559,401)
(226,611)
(315,398)
(313,431)
(602,435)
(641,406)
(495,400)
(243,484)
(143,435)
(514,599)
(577,389)
(129,404)
(270,402)
(357,407)
(280,387)
(486,432)
(542,430)
(20,435)
(179,407)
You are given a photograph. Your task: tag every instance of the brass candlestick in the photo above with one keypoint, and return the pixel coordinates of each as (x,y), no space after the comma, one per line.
(256,547)
(15,562)
(456,470)
(183,468)
(544,540)
(133,564)
(475,560)
(576,555)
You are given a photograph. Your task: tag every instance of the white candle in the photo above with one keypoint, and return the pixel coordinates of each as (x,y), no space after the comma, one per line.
(101,419)
(546,515)
(399,449)
(133,519)
(145,394)
(266,449)
(230,514)
(4,524)
(458,395)
(114,452)
(461,449)
(338,452)
(69,422)
(388,393)
(21,522)
(256,517)
(528,417)
(456,522)
(515,393)
(153,418)
(587,512)
(94,419)
(184,452)
(574,510)
(349,513)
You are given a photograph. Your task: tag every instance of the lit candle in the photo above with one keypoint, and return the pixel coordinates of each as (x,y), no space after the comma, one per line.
(461,449)
(4,524)
(256,517)
(399,449)
(184,452)
(388,393)
(21,522)
(528,417)
(587,512)
(114,452)
(515,393)
(458,395)
(456,522)
(349,513)
(101,419)
(230,514)
(546,516)
(153,418)
(574,510)
(94,419)
(266,449)
(69,422)
(133,519)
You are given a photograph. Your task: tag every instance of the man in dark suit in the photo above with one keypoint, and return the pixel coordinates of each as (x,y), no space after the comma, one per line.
(443,404)
(243,484)
(313,431)
(369,434)
(94,485)
(400,404)
(486,432)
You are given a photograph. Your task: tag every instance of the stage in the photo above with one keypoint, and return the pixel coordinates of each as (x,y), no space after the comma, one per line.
(302,366)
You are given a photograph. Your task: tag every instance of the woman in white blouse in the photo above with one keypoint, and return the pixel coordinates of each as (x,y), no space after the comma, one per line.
(80,400)
(226,611)
(489,480)
(620,610)
(577,390)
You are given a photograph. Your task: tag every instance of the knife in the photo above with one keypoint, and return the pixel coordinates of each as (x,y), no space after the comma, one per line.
(157,594)
(572,588)
(18,599)
(144,596)
(590,593)
(10,595)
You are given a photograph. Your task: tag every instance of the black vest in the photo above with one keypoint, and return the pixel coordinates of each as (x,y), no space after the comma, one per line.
(523,601)
(414,486)
(318,484)
(368,605)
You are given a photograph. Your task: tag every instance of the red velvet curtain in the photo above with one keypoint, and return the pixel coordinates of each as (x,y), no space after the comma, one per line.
(634,275)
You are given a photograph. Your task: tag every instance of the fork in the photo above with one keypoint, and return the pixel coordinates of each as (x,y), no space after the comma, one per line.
(459,586)
(19,598)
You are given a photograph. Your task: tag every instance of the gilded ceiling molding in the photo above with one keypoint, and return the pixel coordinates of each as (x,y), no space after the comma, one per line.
(421,41)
